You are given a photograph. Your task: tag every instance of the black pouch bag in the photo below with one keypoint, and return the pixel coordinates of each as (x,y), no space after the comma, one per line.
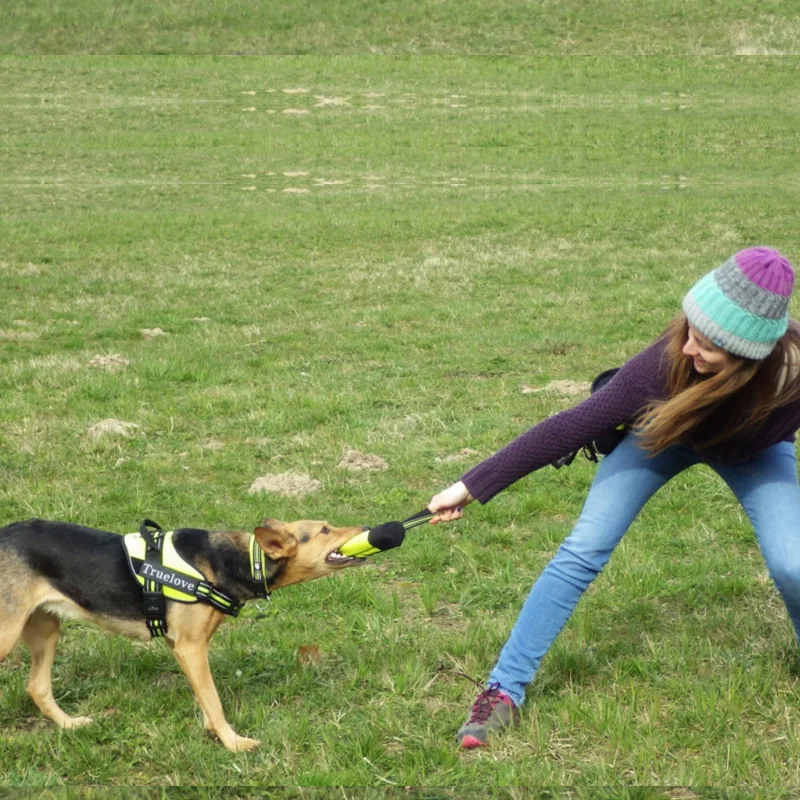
(603,444)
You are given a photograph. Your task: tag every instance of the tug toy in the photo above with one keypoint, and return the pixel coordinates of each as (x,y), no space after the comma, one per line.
(383,537)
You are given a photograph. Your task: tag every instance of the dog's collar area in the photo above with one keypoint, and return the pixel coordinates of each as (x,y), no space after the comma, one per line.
(259,583)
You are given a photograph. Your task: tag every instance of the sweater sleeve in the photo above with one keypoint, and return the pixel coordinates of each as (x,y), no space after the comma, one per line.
(639,382)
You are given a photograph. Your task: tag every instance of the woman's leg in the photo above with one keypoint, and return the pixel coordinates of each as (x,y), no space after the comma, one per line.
(625,481)
(767,487)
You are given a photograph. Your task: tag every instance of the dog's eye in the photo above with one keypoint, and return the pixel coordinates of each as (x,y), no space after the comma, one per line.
(324,529)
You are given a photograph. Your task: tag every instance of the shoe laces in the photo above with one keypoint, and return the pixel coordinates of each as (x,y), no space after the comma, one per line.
(485,702)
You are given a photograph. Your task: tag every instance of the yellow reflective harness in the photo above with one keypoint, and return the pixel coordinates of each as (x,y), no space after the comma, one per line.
(164,575)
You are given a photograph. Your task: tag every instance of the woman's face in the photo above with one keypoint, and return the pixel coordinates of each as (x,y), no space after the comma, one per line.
(708,358)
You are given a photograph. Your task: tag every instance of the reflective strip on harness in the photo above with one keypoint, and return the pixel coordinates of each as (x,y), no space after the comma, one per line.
(164,574)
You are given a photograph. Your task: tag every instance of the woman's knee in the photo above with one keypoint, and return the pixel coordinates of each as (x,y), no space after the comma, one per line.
(786,575)
(586,550)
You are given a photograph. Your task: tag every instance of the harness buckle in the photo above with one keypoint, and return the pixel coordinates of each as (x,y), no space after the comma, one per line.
(154,605)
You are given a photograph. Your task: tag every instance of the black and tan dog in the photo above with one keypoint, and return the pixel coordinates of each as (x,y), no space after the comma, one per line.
(50,570)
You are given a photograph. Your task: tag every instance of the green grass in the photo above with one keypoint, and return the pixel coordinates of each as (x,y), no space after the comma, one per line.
(393,27)
(387,272)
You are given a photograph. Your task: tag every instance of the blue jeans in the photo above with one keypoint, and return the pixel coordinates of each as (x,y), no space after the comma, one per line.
(766,486)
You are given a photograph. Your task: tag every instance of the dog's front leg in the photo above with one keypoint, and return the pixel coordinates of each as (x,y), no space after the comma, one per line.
(192,656)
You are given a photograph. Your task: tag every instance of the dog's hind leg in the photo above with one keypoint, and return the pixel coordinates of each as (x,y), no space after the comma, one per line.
(10,632)
(41,635)
(16,602)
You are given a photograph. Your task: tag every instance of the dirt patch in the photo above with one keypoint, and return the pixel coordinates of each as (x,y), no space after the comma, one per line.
(290,484)
(108,428)
(151,333)
(368,462)
(110,363)
(462,455)
(213,444)
(566,388)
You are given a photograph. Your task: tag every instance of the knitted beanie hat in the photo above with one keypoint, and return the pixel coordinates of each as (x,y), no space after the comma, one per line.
(742,305)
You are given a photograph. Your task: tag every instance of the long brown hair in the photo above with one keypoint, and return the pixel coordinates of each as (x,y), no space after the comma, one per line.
(739,398)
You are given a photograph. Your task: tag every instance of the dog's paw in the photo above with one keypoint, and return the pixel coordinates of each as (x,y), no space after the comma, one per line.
(70,723)
(242,743)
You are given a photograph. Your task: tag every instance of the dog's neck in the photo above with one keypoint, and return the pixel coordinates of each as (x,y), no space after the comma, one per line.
(264,570)
(225,558)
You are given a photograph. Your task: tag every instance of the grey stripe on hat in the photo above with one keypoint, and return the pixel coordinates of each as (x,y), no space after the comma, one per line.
(722,338)
(751,297)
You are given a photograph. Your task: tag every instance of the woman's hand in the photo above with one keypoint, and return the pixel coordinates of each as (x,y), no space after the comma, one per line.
(450,502)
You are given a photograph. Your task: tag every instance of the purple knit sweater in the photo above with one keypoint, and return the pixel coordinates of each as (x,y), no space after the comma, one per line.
(641,381)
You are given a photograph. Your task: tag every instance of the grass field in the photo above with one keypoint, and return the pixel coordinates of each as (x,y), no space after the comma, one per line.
(393,27)
(386,255)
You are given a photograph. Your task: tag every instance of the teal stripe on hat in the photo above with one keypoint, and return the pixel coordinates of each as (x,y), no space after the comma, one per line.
(731,317)
(727,341)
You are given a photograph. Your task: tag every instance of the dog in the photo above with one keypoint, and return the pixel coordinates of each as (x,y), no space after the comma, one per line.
(50,570)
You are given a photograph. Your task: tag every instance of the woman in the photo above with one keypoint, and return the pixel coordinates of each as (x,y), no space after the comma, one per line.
(721,387)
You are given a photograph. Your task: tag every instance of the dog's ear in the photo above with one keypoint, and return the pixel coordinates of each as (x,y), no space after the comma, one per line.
(275,540)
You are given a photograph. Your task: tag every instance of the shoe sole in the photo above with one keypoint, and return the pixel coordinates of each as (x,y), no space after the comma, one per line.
(470,743)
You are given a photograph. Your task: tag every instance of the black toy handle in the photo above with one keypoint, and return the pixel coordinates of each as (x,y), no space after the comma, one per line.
(418,519)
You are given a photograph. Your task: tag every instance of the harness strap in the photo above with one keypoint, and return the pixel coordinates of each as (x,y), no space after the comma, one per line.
(221,601)
(151,539)
(153,601)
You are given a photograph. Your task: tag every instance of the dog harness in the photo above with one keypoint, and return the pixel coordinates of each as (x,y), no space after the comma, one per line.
(164,575)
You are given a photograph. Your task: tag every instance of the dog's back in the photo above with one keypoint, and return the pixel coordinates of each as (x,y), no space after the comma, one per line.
(67,569)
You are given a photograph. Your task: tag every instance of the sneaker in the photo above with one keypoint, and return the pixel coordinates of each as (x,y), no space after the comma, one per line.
(492,711)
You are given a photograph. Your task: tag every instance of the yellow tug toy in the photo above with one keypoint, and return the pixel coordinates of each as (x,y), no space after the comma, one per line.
(383,537)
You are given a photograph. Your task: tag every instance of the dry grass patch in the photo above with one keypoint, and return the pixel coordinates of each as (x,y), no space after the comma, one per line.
(109,363)
(113,428)
(289,484)
(55,364)
(464,454)
(566,388)
(9,335)
(353,460)
(151,333)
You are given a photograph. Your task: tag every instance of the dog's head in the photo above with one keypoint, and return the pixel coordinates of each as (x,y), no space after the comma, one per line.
(304,550)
